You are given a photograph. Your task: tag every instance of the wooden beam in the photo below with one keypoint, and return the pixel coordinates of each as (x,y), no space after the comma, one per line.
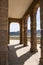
(14,20)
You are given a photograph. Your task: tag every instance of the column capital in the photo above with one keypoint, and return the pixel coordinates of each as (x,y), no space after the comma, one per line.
(33,12)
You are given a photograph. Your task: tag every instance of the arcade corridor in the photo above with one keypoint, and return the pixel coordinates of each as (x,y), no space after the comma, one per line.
(20,54)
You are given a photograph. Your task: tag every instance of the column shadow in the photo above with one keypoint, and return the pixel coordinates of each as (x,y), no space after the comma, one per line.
(14,60)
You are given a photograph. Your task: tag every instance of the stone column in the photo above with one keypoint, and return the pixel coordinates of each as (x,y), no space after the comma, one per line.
(3,32)
(25,31)
(8,32)
(41,16)
(21,32)
(33,31)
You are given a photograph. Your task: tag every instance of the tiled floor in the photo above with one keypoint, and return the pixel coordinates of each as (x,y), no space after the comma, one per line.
(19,55)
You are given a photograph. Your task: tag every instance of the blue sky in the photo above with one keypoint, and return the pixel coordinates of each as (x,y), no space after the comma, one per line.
(14,27)
(38,18)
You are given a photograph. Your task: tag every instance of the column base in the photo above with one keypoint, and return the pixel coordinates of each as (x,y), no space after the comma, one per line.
(20,43)
(41,61)
(33,50)
(25,45)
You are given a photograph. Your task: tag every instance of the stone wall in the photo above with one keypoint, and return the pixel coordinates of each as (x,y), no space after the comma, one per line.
(3,32)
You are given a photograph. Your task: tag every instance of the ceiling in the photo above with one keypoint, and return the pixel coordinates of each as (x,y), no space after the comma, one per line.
(17,8)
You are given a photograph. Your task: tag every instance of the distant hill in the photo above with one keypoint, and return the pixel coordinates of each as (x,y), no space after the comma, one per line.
(28,33)
(38,33)
(15,33)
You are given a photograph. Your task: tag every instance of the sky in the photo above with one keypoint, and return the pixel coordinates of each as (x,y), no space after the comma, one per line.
(14,27)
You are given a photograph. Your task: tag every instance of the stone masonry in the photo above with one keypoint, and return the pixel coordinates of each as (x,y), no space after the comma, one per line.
(3,32)
(33,31)
(25,31)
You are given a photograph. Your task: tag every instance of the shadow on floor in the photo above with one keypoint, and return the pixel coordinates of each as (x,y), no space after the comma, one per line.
(14,60)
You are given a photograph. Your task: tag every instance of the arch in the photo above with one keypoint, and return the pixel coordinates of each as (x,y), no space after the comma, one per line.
(28,29)
(15,25)
(38,27)
(14,31)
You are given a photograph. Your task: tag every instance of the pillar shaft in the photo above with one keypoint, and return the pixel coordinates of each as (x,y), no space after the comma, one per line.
(33,32)
(41,15)
(25,31)
(3,32)
(8,32)
(21,32)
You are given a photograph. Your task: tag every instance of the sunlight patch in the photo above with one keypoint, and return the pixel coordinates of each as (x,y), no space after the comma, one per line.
(14,42)
(33,60)
(18,46)
(22,51)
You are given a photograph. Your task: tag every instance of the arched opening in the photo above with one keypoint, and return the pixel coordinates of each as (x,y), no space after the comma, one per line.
(29,29)
(38,32)
(14,33)
(38,27)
